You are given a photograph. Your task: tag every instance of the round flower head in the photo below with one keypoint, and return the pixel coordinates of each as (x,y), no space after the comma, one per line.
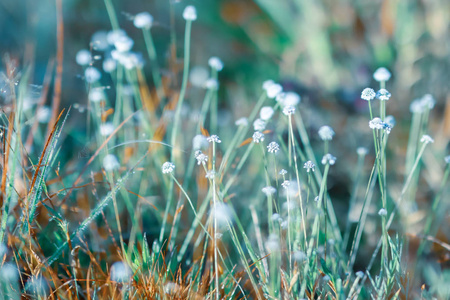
(376,123)
(447,159)
(269,190)
(96,95)
(416,106)
(273,147)
(288,99)
(214,139)
(198,75)
(91,74)
(309,166)
(283,172)
(109,65)
(123,43)
(426,139)
(383,95)
(428,101)
(106,128)
(267,83)
(43,114)
(120,272)
(258,137)
(110,163)
(368,94)
(266,113)
(168,167)
(201,158)
(241,122)
(390,120)
(328,159)
(272,243)
(210,174)
(114,35)
(9,273)
(382,212)
(190,13)
(326,133)
(83,57)
(273,90)
(382,74)
(288,110)
(199,142)
(285,184)
(361,151)
(99,41)
(211,84)
(215,63)
(143,20)
(259,125)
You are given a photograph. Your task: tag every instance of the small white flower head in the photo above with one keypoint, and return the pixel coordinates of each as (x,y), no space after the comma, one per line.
(120,272)
(9,273)
(286,184)
(91,74)
(283,172)
(168,167)
(124,43)
(368,94)
(289,110)
(273,90)
(447,159)
(190,13)
(110,163)
(387,128)
(288,99)
(201,157)
(99,41)
(266,84)
(390,120)
(383,95)
(114,35)
(300,256)
(258,137)
(326,133)
(109,65)
(376,123)
(273,243)
(309,166)
(382,74)
(273,147)
(199,142)
(241,122)
(428,101)
(426,139)
(214,139)
(83,57)
(106,128)
(215,63)
(362,151)
(259,125)
(37,287)
(416,106)
(143,20)
(326,278)
(210,174)
(43,114)
(266,113)
(198,76)
(359,274)
(382,212)
(269,190)
(211,84)
(276,217)
(328,159)
(96,95)
(222,213)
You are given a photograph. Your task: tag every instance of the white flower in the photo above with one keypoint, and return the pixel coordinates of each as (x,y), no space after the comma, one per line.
(190,13)
(283,172)
(288,110)
(309,166)
(241,122)
(387,128)
(361,151)
(168,167)
(143,20)
(381,74)
(269,190)
(258,137)
(447,159)
(109,65)
(9,273)
(273,243)
(221,213)
(199,142)
(201,158)
(390,120)
(328,159)
(198,76)
(266,113)
(288,99)
(123,43)
(273,147)
(276,217)
(376,123)
(382,212)
(299,256)
(114,35)
(368,94)
(210,174)
(359,274)
(266,84)
(383,95)
(259,125)
(426,139)
(285,184)
(120,272)
(83,57)
(43,114)
(214,139)
(110,163)
(211,84)
(416,106)
(99,41)
(106,128)
(215,63)
(96,95)
(273,90)
(326,133)
(428,101)
(91,74)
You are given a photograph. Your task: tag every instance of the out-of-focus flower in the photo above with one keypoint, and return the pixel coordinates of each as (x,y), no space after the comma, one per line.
(106,128)
(361,151)
(259,125)
(269,190)
(289,110)
(110,163)
(215,63)
(382,212)
(266,113)
(190,13)
(143,20)
(123,43)
(83,57)
(241,122)
(109,65)
(328,159)
(326,133)
(382,74)
(214,139)
(91,75)
(426,139)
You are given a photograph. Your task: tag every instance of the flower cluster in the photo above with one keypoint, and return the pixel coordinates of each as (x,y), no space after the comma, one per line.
(309,166)
(426,139)
(201,157)
(269,190)
(326,133)
(258,137)
(214,139)
(368,94)
(328,159)
(168,167)
(383,95)
(272,89)
(289,110)
(273,147)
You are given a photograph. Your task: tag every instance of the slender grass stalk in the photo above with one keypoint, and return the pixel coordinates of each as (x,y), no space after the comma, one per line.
(151,51)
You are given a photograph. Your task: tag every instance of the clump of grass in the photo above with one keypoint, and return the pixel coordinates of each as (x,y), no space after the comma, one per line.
(261,221)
